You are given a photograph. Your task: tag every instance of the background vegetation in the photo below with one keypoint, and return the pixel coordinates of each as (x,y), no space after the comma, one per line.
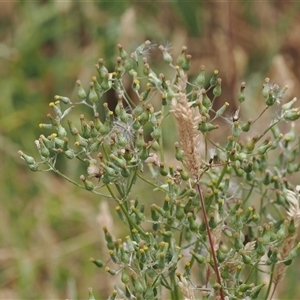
(48,228)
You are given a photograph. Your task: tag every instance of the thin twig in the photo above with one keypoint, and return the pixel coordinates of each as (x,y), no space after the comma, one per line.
(210,240)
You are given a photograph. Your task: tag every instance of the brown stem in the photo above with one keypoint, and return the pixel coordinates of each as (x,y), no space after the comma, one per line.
(210,240)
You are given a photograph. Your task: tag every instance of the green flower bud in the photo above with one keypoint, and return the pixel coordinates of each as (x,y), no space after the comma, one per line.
(237,241)
(186,63)
(179,214)
(106,84)
(200,259)
(162,170)
(28,159)
(110,271)
(193,226)
(166,56)
(241,94)
(113,256)
(225,272)
(123,53)
(292,255)
(214,79)
(212,221)
(181,58)
(57,109)
(65,100)
(246,127)
(159,210)
(154,80)
(256,290)
(125,171)
(98,262)
(288,105)
(109,239)
(271,99)
(250,145)
(101,68)
(93,97)
(87,184)
(291,114)
(217,91)
(166,205)
(138,287)
(184,175)
(69,154)
(113,295)
(246,258)
(91,296)
(244,287)
(80,91)
(266,88)
(221,256)
(80,141)
(144,154)
(221,111)
(200,80)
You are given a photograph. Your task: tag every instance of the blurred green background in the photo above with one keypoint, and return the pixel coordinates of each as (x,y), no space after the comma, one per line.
(48,228)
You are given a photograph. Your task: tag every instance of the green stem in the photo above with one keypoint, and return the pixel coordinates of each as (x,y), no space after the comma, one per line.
(195,250)
(250,193)
(131,183)
(74,182)
(273,124)
(124,210)
(221,176)
(254,267)
(174,285)
(161,150)
(260,114)
(270,283)
(150,183)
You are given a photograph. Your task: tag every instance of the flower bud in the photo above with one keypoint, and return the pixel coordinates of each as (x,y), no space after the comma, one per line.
(110,271)
(241,94)
(200,80)
(181,58)
(200,259)
(28,159)
(193,226)
(108,238)
(214,79)
(101,68)
(266,88)
(291,114)
(87,184)
(80,91)
(56,108)
(106,84)
(221,111)
(98,262)
(246,127)
(186,63)
(93,97)
(256,290)
(166,55)
(179,214)
(65,100)
(217,91)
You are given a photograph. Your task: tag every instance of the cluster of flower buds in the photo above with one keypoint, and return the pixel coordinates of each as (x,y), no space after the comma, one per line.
(245,180)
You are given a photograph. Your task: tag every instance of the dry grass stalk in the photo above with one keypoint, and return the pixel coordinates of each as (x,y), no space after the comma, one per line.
(217,232)
(289,243)
(185,288)
(187,119)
